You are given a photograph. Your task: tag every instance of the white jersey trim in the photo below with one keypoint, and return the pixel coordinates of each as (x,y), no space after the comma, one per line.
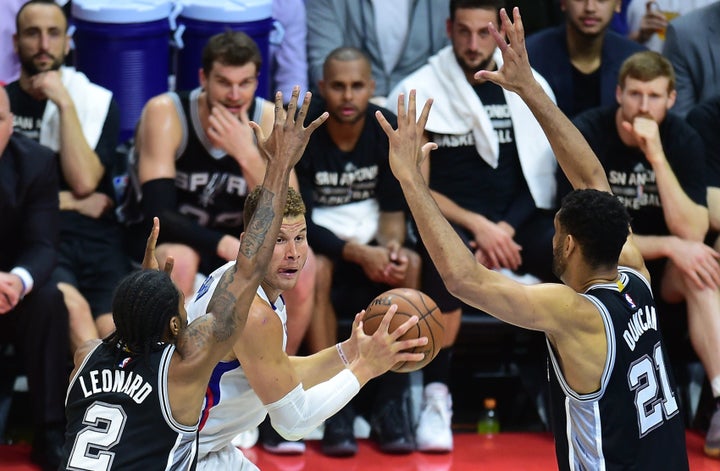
(79,370)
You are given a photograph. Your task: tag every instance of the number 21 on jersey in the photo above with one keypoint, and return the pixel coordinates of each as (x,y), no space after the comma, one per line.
(654,398)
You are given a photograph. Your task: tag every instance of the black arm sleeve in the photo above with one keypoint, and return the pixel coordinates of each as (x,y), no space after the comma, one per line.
(160,199)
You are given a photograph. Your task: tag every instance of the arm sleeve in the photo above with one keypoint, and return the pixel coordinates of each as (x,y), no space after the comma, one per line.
(300,412)
(160,199)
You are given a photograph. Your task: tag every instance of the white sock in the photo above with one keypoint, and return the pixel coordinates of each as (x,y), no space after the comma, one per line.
(715,385)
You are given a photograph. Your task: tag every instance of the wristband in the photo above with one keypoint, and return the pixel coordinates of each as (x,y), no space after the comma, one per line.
(342,354)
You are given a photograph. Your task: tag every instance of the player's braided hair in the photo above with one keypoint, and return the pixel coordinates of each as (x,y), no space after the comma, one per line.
(143,305)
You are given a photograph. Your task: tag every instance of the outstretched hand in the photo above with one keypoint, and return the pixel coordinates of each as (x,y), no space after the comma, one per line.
(286,143)
(516,73)
(150,261)
(406,149)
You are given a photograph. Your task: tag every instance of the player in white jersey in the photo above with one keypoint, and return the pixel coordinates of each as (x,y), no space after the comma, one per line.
(259,378)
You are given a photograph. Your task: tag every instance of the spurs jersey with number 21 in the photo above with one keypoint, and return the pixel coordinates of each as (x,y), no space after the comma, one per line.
(633,422)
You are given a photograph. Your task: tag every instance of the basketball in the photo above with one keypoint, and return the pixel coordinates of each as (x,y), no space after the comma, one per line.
(409,302)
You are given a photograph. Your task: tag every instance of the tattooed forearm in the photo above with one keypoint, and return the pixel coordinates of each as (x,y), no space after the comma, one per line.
(259,225)
(222,305)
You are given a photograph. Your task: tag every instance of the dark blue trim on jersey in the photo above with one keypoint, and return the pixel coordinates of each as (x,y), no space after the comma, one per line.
(212,394)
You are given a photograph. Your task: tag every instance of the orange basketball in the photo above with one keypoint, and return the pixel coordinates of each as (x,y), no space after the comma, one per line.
(409,302)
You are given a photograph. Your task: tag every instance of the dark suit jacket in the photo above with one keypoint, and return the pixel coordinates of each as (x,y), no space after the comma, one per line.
(692,43)
(29,209)
(548,52)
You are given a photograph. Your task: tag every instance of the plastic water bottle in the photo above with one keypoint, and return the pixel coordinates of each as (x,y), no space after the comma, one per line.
(488,424)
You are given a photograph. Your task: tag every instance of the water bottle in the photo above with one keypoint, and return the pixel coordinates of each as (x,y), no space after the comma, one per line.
(488,424)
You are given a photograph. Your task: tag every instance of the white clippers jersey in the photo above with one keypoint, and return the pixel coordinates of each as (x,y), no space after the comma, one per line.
(231,406)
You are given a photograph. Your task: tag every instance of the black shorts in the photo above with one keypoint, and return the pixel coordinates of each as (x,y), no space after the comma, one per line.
(94,267)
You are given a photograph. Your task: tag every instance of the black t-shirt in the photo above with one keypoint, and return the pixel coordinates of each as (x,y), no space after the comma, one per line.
(459,172)
(586,91)
(330,177)
(28,118)
(630,174)
(705,118)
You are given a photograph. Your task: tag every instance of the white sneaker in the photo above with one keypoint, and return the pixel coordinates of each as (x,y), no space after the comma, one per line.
(434,432)
(246,439)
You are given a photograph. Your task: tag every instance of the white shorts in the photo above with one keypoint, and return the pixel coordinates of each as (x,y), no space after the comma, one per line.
(229,457)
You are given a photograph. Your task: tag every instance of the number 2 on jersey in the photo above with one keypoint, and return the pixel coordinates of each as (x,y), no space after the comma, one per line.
(104,426)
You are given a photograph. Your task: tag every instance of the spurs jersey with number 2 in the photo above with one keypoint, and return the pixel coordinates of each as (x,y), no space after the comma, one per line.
(633,422)
(118,415)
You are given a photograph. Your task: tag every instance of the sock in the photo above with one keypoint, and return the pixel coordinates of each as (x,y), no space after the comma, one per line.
(438,370)
(715,385)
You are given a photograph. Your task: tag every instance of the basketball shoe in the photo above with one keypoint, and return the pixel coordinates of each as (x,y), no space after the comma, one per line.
(434,431)
(712,439)
(273,442)
(338,437)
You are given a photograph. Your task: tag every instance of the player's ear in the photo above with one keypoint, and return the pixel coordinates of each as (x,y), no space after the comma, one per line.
(569,245)
(174,325)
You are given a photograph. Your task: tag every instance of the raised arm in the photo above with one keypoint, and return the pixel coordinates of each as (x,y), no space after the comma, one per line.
(576,158)
(210,337)
(573,153)
(232,298)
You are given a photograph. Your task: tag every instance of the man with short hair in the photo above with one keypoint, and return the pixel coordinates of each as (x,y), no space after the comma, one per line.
(78,120)
(492,176)
(581,58)
(33,317)
(655,163)
(146,382)
(197,160)
(357,225)
(258,379)
(614,401)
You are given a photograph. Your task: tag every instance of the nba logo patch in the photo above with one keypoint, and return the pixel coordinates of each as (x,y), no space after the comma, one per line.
(204,288)
(630,301)
(124,362)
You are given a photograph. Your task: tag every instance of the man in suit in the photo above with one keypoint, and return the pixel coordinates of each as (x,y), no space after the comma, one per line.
(32,313)
(691,45)
(581,58)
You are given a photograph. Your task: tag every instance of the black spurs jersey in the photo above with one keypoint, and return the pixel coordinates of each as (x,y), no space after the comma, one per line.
(633,422)
(119,417)
(211,188)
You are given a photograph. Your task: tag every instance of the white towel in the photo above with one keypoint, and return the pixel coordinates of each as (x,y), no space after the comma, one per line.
(91,104)
(457,109)
(357,221)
